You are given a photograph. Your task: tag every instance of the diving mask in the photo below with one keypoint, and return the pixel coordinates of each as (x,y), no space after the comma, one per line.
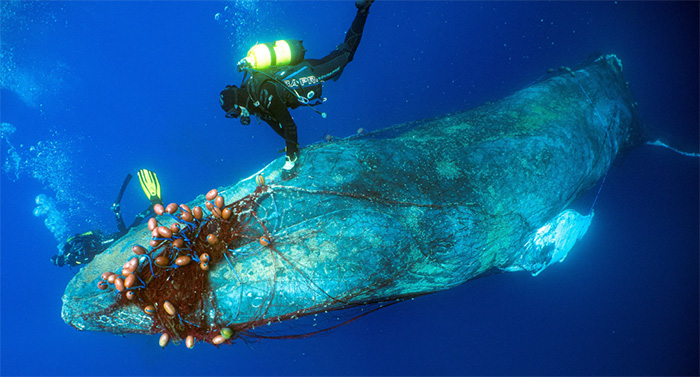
(239,111)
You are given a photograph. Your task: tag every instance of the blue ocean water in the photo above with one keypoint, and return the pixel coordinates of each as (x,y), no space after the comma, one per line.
(92,91)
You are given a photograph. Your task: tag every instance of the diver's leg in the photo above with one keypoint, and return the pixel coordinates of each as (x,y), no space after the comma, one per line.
(288,132)
(138,219)
(116,206)
(283,123)
(331,66)
(290,138)
(354,34)
(275,127)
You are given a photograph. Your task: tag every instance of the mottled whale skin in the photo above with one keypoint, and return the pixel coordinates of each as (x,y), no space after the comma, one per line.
(408,210)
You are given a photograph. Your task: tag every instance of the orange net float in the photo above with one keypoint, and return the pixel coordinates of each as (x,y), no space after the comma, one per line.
(219,202)
(169,308)
(198,213)
(164,232)
(119,284)
(189,341)
(138,249)
(130,281)
(211,194)
(179,243)
(159,209)
(171,208)
(260,180)
(188,217)
(162,261)
(209,206)
(152,223)
(164,340)
(183,260)
(226,213)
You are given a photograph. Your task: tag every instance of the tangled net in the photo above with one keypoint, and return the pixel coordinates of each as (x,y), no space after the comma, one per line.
(170,282)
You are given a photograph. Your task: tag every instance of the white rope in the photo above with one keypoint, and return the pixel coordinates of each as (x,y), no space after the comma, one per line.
(659,143)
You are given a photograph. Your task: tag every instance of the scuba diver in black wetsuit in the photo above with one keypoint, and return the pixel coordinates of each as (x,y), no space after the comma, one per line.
(82,248)
(278,77)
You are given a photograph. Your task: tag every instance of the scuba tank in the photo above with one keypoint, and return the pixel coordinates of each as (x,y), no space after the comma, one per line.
(277,54)
(264,58)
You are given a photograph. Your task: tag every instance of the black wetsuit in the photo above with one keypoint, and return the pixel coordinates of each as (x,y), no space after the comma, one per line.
(269,98)
(117,209)
(123,229)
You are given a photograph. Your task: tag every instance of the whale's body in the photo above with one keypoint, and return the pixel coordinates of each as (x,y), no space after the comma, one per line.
(404,211)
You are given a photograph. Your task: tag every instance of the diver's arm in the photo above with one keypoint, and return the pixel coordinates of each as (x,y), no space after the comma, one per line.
(117,208)
(283,123)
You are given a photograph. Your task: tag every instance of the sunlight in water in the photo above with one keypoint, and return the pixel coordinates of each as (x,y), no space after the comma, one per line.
(241,21)
(31,76)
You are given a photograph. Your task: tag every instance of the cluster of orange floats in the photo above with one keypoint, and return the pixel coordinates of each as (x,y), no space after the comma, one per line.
(168,281)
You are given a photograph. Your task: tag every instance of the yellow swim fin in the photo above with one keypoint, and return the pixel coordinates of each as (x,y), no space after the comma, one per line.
(150,185)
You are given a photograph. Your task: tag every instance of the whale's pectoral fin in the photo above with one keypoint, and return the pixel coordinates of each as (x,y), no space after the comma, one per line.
(552,242)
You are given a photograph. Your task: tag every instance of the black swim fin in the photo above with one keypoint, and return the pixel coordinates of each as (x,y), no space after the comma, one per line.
(363,5)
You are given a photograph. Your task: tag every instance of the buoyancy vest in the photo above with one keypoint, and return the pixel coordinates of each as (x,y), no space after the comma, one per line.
(296,85)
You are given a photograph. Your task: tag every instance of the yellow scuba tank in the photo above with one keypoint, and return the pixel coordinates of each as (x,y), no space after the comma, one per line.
(277,54)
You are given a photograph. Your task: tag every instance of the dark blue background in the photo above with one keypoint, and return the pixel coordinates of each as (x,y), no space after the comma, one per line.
(123,85)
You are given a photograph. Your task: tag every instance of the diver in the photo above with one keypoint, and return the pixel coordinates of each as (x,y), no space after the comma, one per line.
(278,77)
(82,248)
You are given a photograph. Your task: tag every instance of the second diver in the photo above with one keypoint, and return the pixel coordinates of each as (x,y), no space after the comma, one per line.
(82,248)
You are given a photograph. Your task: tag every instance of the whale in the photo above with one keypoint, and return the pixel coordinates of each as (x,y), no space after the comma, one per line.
(376,218)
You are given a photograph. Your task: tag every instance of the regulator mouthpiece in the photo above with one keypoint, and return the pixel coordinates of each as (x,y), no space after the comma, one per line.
(243,64)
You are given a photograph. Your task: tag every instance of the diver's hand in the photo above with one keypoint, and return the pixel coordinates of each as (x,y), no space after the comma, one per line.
(116,207)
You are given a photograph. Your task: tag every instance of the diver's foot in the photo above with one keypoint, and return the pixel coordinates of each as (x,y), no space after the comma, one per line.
(289,163)
(363,5)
